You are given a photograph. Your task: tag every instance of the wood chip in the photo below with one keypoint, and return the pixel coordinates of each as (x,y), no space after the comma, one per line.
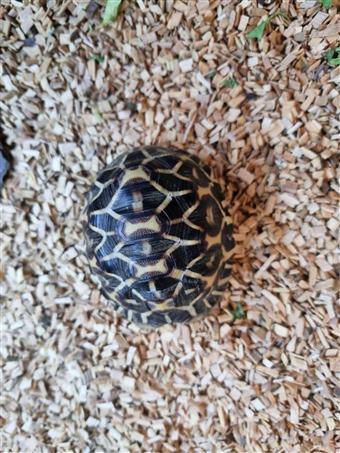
(174,20)
(186,65)
(330,30)
(246,176)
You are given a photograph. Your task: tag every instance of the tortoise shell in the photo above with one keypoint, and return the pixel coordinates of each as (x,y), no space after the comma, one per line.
(159,236)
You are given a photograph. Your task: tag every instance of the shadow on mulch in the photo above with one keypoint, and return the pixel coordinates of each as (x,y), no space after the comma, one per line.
(5,151)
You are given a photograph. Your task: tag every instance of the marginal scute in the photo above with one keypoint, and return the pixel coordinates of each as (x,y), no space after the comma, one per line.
(159,235)
(217,192)
(208,215)
(227,237)
(210,261)
(179,315)
(224,272)
(111,282)
(165,162)
(110,174)
(156,318)
(130,304)
(132,158)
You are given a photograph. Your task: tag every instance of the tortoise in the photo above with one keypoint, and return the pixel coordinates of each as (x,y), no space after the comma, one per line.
(159,235)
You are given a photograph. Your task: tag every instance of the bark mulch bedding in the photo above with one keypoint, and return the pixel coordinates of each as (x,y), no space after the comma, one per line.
(259,373)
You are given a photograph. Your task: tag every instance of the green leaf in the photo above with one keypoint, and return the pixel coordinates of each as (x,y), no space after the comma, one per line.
(334,61)
(238,312)
(111,11)
(333,56)
(98,58)
(329,54)
(326,3)
(280,14)
(259,30)
(230,83)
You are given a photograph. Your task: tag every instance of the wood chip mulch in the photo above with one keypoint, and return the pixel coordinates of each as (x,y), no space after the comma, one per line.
(260,373)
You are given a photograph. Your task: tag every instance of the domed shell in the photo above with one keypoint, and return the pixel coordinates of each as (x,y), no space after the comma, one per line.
(159,236)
